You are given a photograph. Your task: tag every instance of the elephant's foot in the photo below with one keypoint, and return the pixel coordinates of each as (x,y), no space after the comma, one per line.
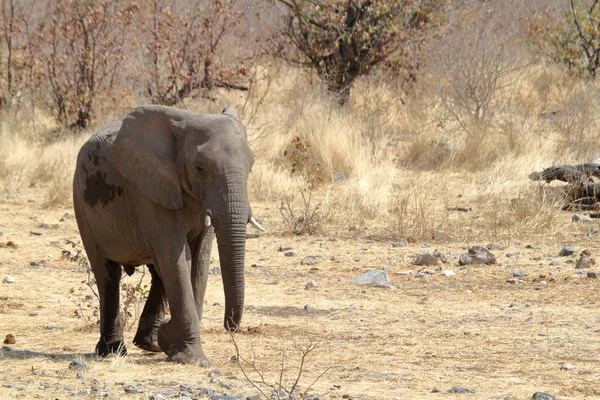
(105,348)
(177,349)
(147,341)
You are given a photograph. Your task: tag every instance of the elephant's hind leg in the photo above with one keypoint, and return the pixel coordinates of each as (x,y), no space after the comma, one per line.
(108,279)
(152,316)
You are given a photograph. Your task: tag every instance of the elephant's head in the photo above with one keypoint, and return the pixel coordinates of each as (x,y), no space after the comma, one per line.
(168,152)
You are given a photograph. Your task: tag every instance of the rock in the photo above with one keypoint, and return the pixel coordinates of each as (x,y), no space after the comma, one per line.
(373,276)
(424,273)
(284,247)
(566,251)
(515,281)
(79,375)
(51,326)
(290,254)
(580,218)
(519,274)
(426,259)
(544,396)
(435,390)
(215,271)
(404,272)
(567,367)
(10,339)
(495,246)
(515,255)
(156,396)
(585,262)
(477,255)
(309,260)
(8,279)
(530,246)
(461,390)
(311,285)
(308,307)
(593,274)
(35,233)
(257,266)
(339,176)
(447,272)
(78,365)
(44,225)
(593,230)
(34,314)
(400,242)
(132,389)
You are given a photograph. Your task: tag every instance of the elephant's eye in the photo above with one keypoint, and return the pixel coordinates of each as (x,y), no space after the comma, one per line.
(200,169)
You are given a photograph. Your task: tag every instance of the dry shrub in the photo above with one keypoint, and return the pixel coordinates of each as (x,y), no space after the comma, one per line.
(269,183)
(416,207)
(356,201)
(17,160)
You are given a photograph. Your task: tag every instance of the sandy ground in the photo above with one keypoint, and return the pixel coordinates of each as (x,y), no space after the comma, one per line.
(473,329)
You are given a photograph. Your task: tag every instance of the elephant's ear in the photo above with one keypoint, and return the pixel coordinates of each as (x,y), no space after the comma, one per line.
(144,153)
(231,112)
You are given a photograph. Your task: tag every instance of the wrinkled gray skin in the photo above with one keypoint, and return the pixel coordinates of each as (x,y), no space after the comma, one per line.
(141,192)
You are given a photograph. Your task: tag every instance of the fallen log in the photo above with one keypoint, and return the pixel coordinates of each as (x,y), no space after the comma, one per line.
(567,173)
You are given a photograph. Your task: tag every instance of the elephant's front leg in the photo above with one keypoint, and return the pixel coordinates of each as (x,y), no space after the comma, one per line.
(179,337)
(201,249)
(153,314)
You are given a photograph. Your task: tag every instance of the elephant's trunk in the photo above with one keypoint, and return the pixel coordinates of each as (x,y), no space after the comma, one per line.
(231,217)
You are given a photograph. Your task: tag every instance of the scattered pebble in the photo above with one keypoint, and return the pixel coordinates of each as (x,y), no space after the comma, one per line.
(515,255)
(34,314)
(435,390)
(447,272)
(311,285)
(373,276)
(461,389)
(477,255)
(515,281)
(424,273)
(581,218)
(285,247)
(429,259)
(10,339)
(78,365)
(8,279)
(567,367)
(308,307)
(35,233)
(404,272)
(593,274)
(309,260)
(566,251)
(519,274)
(215,271)
(257,266)
(44,225)
(51,326)
(584,261)
(544,396)
(290,254)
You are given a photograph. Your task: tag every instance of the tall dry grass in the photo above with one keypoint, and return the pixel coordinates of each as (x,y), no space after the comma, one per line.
(390,160)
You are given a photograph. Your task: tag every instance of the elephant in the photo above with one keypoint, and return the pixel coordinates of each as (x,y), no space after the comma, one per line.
(155,189)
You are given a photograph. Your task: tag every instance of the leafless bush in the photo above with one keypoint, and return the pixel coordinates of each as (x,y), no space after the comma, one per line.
(279,388)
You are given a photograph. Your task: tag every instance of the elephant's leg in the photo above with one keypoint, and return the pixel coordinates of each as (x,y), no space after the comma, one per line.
(201,248)
(108,279)
(153,314)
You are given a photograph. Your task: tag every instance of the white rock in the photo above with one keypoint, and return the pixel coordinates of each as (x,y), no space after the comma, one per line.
(373,276)
(447,272)
(404,272)
(8,279)
(312,284)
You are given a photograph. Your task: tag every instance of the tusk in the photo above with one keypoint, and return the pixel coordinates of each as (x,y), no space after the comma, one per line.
(256,225)
(207,221)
